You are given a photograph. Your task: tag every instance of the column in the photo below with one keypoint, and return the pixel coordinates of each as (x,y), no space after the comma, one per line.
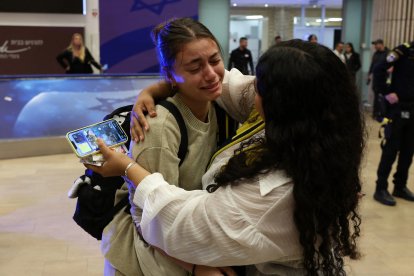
(215,14)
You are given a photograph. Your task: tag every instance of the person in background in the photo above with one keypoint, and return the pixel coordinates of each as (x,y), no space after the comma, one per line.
(378,75)
(339,48)
(285,199)
(313,38)
(278,39)
(76,59)
(241,57)
(399,133)
(352,60)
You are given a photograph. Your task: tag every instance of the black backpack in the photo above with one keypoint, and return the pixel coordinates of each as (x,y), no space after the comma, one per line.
(96,194)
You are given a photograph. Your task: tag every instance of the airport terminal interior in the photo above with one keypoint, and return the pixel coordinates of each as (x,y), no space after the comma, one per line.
(40,102)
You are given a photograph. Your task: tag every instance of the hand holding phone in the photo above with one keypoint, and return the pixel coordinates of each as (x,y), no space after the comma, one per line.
(83,140)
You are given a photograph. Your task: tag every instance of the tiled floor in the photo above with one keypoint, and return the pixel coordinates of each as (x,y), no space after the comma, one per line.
(39,237)
(37,233)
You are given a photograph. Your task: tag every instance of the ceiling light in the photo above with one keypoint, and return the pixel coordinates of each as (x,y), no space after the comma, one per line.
(335,19)
(254,16)
(266,5)
(234,4)
(8,99)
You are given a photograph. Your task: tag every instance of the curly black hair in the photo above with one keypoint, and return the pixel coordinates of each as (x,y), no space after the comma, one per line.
(314,131)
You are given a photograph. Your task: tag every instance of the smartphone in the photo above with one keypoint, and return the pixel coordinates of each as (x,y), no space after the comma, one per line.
(83,140)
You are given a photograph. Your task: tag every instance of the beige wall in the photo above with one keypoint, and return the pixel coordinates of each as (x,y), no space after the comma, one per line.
(393,21)
(280,20)
(272,29)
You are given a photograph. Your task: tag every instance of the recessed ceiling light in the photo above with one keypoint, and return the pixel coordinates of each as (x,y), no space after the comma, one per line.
(266,5)
(335,19)
(254,16)
(234,4)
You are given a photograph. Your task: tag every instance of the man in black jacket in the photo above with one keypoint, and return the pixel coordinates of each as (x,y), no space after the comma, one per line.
(399,133)
(240,57)
(378,74)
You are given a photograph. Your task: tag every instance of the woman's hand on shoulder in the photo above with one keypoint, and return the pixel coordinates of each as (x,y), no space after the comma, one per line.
(143,105)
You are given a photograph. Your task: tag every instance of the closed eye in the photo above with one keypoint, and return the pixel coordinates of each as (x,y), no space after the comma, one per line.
(215,61)
(195,70)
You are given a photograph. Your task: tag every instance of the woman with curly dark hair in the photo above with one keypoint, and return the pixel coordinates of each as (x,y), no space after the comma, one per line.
(287,199)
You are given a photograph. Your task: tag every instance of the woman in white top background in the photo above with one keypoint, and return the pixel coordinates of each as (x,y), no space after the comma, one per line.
(285,200)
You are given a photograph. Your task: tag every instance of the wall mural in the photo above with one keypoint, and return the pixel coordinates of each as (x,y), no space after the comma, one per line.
(33,50)
(34,107)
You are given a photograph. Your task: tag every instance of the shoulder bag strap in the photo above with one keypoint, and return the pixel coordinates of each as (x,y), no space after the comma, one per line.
(182,150)
(122,109)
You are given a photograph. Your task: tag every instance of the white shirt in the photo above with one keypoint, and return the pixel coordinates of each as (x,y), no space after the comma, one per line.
(249,223)
(340,55)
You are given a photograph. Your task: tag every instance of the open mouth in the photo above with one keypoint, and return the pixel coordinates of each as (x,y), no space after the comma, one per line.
(212,87)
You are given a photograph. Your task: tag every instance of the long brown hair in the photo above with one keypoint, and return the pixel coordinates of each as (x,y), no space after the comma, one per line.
(169,38)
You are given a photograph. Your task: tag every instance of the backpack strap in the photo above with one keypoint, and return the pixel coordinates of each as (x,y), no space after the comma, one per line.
(182,150)
(119,110)
(227,126)
(121,204)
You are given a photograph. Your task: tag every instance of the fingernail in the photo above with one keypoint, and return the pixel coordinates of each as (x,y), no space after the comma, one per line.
(146,128)
(141,138)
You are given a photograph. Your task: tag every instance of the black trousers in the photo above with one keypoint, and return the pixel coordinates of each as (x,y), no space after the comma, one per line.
(399,140)
(375,108)
(378,104)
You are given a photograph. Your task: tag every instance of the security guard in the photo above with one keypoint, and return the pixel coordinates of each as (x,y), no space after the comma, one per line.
(241,57)
(378,75)
(400,132)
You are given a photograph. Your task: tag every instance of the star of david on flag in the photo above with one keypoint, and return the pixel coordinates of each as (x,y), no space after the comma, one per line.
(156,7)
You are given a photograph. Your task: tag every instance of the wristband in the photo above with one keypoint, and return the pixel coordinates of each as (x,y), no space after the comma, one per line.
(128,167)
